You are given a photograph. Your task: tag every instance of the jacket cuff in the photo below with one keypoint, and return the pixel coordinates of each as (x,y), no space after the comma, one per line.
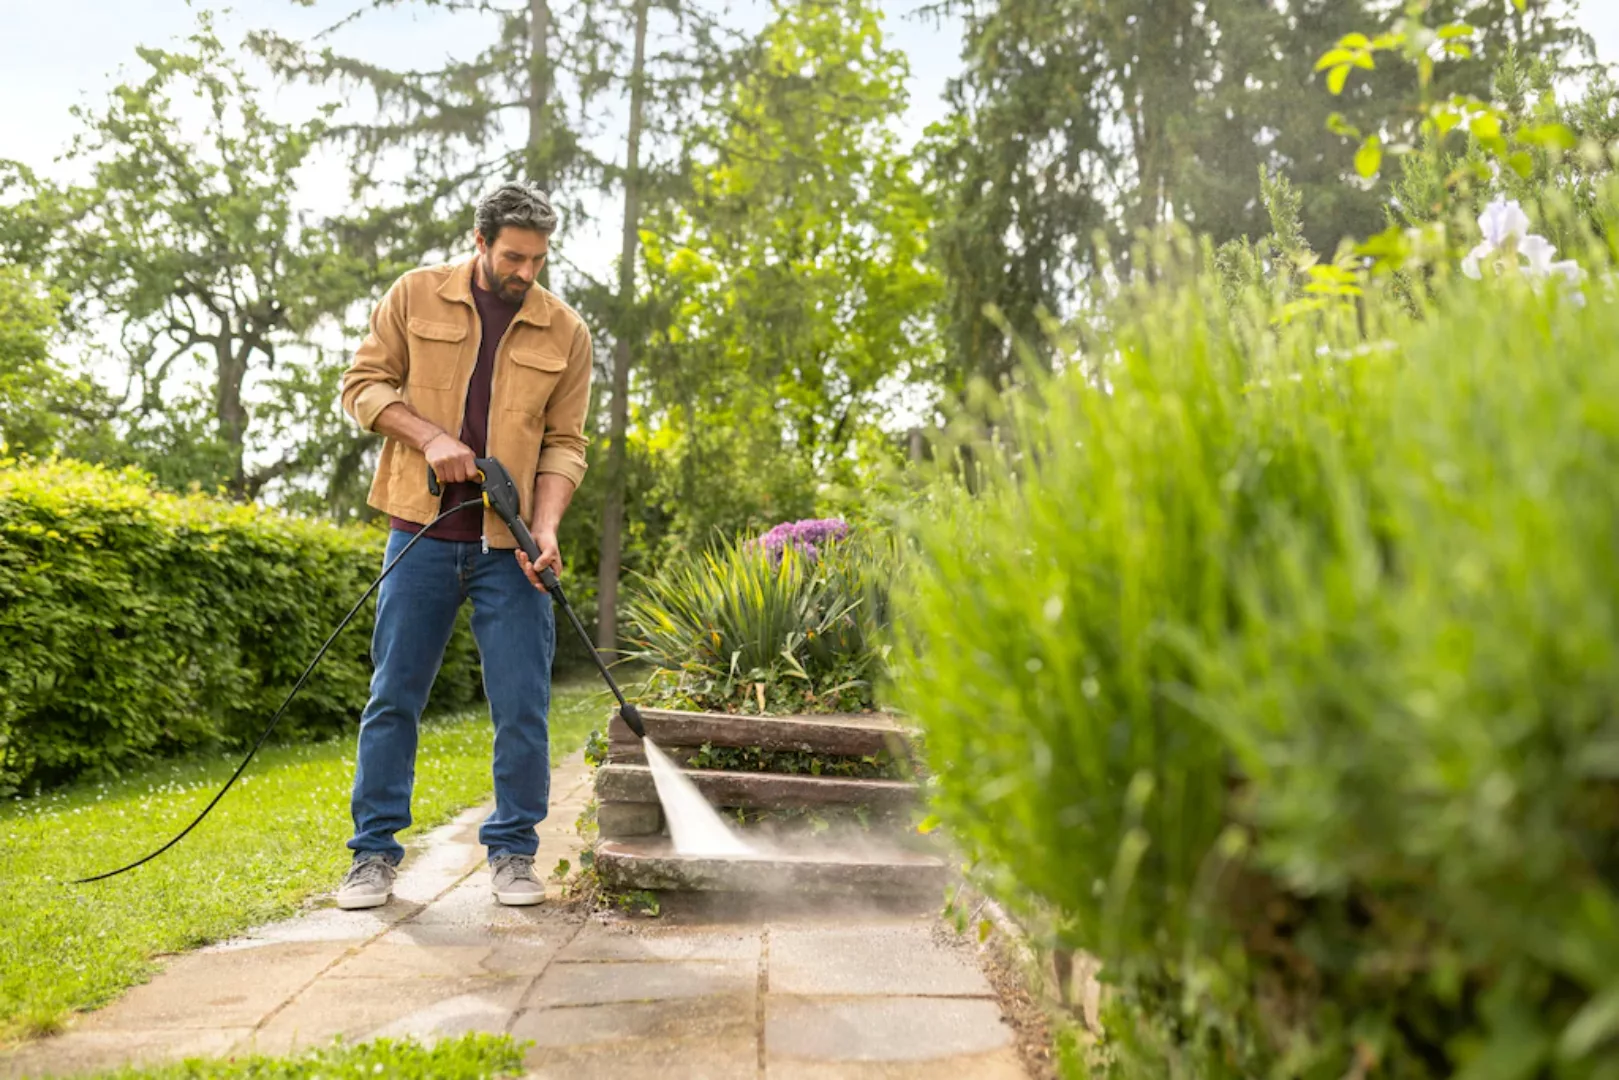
(563,462)
(371,400)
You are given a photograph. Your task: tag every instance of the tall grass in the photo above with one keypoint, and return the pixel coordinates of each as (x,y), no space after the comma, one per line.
(1278,665)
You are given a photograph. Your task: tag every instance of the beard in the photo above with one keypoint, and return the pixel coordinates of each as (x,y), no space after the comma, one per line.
(510,288)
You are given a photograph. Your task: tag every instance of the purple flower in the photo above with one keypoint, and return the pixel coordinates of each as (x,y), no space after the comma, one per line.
(806,536)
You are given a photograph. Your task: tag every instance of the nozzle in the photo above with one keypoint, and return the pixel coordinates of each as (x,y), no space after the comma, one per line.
(632,717)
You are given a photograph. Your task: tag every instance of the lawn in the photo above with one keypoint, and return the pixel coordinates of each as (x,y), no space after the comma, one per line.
(276,839)
(467,1057)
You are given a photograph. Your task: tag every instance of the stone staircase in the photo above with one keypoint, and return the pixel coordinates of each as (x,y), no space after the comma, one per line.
(816,835)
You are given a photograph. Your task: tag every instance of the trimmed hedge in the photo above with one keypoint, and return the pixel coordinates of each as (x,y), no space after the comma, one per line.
(135,623)
(1279,669)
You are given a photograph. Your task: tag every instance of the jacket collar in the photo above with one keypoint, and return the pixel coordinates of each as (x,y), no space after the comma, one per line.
(457,288)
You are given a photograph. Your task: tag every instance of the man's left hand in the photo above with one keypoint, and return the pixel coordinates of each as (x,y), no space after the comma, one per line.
(549,556)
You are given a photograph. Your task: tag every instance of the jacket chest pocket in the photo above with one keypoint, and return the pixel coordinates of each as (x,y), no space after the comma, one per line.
(435,350)
(534,374)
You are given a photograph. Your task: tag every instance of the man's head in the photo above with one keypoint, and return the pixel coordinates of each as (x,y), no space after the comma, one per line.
(514,226)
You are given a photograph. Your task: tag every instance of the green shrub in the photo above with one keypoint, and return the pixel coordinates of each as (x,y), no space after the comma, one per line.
(746,628)
(135,623)
(1278,667)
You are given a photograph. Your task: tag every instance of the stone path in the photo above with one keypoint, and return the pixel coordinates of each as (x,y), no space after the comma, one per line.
(785,998)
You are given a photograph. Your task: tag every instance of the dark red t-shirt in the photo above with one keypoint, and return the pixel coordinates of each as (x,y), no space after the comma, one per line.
(467,527)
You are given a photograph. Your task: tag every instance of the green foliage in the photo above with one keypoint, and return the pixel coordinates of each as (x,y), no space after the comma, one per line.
(188,246)
(1455,144)
(1276,665)
(42,406)
(596,747)
(879,766)
(134,623)
(1077,124)
(635,902)
(741,629)
(792,283)
(464,1057)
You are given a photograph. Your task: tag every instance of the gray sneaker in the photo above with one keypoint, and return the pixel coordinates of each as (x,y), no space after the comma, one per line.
(368,884)
(514,880)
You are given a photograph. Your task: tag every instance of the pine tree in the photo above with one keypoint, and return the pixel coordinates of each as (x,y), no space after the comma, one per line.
(450,123)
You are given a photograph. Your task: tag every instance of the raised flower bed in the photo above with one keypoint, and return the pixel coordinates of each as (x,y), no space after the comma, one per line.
(767,656)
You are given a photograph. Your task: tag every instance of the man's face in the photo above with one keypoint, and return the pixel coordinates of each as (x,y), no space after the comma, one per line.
(511,263)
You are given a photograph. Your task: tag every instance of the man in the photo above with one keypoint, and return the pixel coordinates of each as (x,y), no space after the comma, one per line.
(463,361)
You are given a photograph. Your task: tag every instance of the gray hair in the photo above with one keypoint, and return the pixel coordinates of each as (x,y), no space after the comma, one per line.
(524,206)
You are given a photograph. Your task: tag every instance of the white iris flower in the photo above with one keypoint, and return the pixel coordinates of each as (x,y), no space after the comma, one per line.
(1507,238)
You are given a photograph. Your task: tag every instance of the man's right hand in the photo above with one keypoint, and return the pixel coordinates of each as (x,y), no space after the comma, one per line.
(451,459)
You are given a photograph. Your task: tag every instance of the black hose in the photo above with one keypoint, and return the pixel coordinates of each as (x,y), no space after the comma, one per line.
(290,695)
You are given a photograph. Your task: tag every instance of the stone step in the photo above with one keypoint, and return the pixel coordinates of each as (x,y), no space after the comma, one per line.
(652,864)
(842,735)
(618,820)
(620,783)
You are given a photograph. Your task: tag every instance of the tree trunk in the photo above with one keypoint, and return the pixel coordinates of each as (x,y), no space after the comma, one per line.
(539,103)
(228,407)
(624,341)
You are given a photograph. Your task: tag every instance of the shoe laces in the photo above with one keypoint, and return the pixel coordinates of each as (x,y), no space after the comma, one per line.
(517,865)
(368,872)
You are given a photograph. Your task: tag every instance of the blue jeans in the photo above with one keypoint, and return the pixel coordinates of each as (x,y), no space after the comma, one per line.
(513,625)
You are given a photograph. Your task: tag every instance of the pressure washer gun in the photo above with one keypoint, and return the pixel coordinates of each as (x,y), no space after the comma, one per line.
(500,495)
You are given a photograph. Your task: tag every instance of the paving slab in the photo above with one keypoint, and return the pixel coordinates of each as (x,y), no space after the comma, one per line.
(598,942)
(652,1059)
(360,1010)
(85,1051)
(225,989)
(899,959)
(881,1029)
(323,924)
(630,1022)
(476,1011)
(399,957)
(618,981)
(470,909)
(997,1065)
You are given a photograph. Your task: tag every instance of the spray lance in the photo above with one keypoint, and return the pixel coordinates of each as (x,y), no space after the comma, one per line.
(500,495)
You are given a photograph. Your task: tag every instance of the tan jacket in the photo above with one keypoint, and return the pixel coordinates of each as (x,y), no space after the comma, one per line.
(421,350)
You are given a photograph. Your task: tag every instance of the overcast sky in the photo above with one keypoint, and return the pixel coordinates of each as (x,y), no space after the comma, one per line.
(53,55)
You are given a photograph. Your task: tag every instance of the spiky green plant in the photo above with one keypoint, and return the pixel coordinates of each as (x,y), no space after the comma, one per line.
(742,628)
